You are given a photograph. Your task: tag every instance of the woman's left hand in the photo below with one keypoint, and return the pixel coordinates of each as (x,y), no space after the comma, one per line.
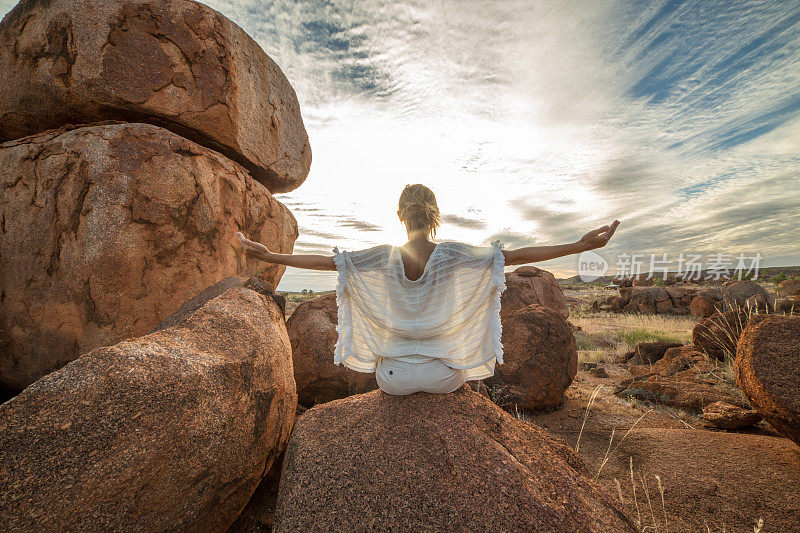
(599,237)
(251,248)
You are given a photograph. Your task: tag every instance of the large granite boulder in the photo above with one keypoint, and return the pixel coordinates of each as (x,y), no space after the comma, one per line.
(767,369)
(746,295)
(107,229)
(434,462)
(174,63)
(718,334)
(530,285)
(172,431)
(540,359)
(312,330)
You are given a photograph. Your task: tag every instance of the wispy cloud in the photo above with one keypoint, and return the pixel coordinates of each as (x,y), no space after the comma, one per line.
(534,122)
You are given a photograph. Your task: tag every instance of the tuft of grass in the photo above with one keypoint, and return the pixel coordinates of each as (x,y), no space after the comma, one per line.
(632,337)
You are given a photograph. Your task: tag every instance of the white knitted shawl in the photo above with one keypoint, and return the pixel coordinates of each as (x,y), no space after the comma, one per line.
(452,312)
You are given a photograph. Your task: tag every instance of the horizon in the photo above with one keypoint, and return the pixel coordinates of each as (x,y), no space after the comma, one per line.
(535,124)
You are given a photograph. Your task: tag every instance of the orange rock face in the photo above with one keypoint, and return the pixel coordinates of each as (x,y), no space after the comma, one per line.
(540,359)
(312,330)
(434,462)
(767,370)
(530,285)
(107,229)
(173,63)
(172,431)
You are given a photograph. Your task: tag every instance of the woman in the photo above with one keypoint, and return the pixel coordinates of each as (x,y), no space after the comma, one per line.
(422,316)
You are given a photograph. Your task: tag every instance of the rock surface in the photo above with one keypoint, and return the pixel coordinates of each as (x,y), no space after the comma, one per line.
(434,462)
(767,370)
(712,480)
(172,431)
(682,378)
(530,285)
(540,359)
(718,334)
(726,416)
(107,229)
(174,63)
(647,353)
(312,330)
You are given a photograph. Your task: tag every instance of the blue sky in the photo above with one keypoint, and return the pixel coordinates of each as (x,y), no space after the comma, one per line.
(534,122)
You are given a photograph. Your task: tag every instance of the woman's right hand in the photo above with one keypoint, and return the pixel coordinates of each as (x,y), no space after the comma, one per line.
(599,237)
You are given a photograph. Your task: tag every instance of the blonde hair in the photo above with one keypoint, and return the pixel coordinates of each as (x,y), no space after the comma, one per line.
(418,209)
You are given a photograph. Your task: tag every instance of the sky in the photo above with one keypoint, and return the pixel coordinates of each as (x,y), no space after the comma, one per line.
(535,122)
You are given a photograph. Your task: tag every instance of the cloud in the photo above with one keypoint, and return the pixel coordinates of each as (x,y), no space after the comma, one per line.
(464,222)
(536,122)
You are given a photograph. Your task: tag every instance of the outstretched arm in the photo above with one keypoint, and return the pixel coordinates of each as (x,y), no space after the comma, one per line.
(531,254)
(259,251)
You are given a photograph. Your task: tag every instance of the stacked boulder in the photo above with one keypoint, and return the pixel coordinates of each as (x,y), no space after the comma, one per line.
(138,137)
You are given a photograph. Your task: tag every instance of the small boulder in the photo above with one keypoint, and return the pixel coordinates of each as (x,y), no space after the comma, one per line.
(647,353)
(789,288)
(312,330)
(172,431)
(703,307)
(767,370)
(726,416)
(540,359)
(718,334)
(435,462)
(530,285)
(746,295)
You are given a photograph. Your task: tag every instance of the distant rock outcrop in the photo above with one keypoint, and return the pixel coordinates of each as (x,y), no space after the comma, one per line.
(767,370)
(173,63)
(530,285)
(108,228)
(540,359)
(312,330)
(172,431)
(435,462)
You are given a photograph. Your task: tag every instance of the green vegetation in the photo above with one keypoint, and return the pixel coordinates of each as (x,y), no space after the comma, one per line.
(632,337)
(777,279)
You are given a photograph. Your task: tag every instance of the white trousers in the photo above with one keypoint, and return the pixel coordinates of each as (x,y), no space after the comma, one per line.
(401,377)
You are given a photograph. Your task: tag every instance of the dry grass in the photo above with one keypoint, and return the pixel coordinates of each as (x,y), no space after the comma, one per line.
(604,335)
